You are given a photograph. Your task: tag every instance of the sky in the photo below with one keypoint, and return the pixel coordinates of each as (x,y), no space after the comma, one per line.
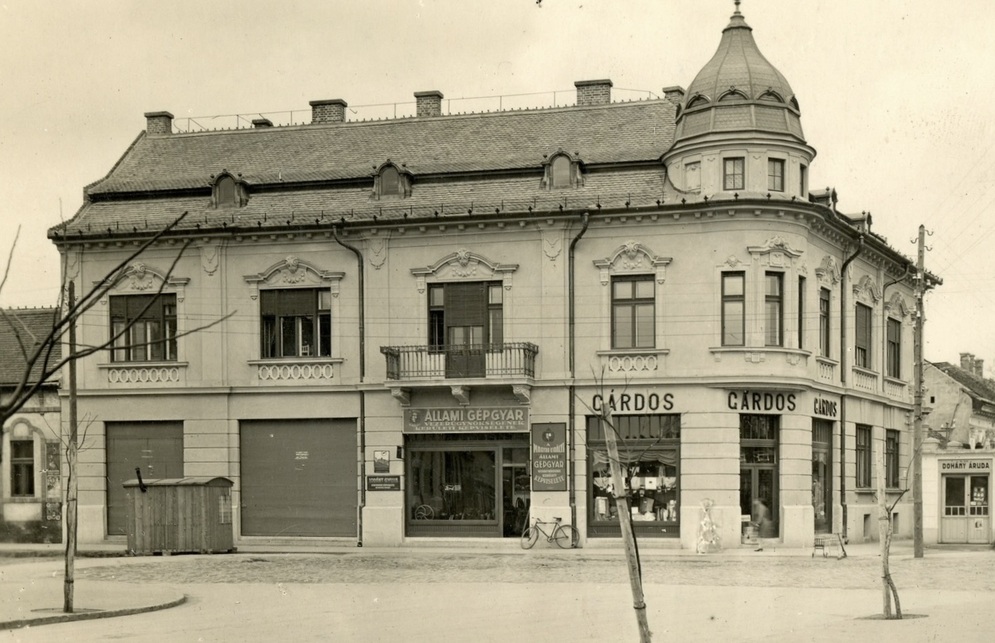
(897,97)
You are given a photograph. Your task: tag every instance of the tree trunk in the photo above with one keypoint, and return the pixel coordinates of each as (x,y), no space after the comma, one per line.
(884,535)
(628,537)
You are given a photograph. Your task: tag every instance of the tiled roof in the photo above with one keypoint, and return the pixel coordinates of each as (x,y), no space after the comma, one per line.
(614,133)
(980,389)
(33,325)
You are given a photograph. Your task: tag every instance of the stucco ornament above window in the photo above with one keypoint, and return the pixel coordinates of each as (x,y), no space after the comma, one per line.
(776,250)
(465,264)
(828,271)
(227,191)
(867,290)
(632,257)
(896,306)
(294,272)
(139,278)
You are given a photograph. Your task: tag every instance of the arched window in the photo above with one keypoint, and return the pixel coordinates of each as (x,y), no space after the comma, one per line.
(732,94)
(560,172)
(771,96)
(226,194)
(697,101)
(390,181)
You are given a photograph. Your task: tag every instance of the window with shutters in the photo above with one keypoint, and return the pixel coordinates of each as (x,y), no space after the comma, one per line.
(862,343)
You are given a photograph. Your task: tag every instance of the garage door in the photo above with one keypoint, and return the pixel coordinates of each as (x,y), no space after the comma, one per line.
(299,478)
(154,447)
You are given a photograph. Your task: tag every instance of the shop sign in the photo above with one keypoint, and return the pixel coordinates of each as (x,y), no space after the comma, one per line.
(966,465)
(549,457)
(467,419)
(824,407)
(383,483)
(761,401)
(633,402)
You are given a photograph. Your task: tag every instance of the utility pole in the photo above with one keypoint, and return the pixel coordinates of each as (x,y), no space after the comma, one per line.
(72,453)
(917,412)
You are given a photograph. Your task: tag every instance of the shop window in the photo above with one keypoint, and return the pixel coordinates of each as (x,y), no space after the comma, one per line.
(775,175)
(22,468)
(863,453)
(650,458)
(692,176)
(633,312)
(733,309)
(296,322)
(452,485)
(774,309)
(143,328)
(979,496)
(894,348)
(733,173)
(862,343)
(824,328)
(891,458)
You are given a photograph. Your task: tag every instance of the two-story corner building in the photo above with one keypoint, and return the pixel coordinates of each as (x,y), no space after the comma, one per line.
(958,453)
(422,318)
(30,448)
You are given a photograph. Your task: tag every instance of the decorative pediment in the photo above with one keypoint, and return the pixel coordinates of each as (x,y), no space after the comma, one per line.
(465,265)
(139,278)
(776,250)
(896,306)
(632,256)
(828,271)
(293,272)
(867,290)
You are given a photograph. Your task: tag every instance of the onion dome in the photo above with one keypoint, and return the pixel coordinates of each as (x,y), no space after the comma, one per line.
(738,90)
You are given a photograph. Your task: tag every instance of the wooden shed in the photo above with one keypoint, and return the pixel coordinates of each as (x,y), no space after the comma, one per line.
(179,515)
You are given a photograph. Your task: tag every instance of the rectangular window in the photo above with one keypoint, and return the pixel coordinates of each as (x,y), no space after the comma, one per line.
(863,456)
(801,312)
(774,309)
(894,348)
(436,316)
(495,314)
(22,468)
(692,176)
(775,175)
(649,451)
(466,314)
(143,328)
(296,322)
(734,174)
(733,309)
(862,344)
(824,327)
(803,181)
(633,312)
(891,458)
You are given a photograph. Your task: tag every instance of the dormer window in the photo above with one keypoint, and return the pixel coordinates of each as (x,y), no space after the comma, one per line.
(697,101)
(771,96)
(391,182)
(562,171)
(732,94)
(228,192)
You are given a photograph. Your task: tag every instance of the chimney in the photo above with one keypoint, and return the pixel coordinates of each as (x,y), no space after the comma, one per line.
(979,368)
(158,123)
(593,92)
(967,362)
(674,94)
(328,111)
(428,103)
(262,123)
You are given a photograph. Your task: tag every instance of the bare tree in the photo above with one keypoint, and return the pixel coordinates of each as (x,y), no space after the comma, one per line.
(44,358)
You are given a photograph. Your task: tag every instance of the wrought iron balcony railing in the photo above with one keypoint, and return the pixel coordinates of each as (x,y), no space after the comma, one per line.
(507,360)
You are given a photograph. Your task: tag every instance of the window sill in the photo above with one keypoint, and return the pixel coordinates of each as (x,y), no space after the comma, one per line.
(158,364)
(870,490)
(633,351)
(758,354)
(895,381)
(296,360)
(829,361)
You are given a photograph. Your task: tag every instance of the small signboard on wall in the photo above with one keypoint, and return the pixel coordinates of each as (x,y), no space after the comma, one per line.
(383,483)
(549,457)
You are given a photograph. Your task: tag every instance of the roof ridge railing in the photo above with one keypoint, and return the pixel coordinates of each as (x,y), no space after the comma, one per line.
(373,112)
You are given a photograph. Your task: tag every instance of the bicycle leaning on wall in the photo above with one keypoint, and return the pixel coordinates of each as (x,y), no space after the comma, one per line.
(565,536)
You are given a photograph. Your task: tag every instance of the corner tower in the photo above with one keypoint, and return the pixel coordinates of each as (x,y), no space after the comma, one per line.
(738,129)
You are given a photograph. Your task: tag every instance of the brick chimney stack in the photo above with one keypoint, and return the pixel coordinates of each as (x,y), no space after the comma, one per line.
(158,123)
(674,94)
(328,111)
(261,123)
(593,92)
(979,368)
(967,362)
(428,103)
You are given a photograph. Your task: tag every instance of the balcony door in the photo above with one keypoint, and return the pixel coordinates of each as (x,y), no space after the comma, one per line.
(466,328)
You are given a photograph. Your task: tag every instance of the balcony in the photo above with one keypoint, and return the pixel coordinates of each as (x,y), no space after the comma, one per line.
(512,363)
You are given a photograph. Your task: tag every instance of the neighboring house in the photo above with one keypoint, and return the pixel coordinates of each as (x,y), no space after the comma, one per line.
(959,453)
(423,318)
(30,453)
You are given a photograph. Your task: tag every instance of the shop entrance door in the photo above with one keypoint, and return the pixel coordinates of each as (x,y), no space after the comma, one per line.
(515,495)
(822,471)
(966,518)
(758,472)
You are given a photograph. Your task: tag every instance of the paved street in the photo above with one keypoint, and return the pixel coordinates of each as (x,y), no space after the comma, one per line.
(549,595)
